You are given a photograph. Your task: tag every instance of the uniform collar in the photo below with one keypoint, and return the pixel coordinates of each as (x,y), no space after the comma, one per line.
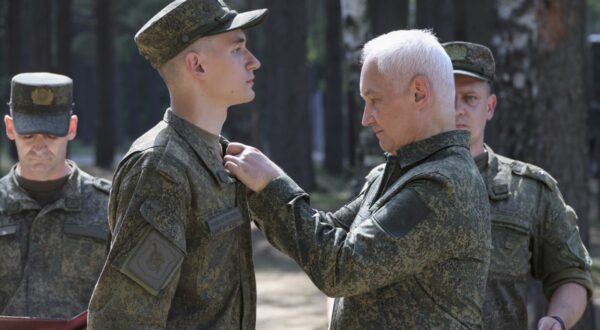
(18,200)
(497,179)
(203,145)
(416,152)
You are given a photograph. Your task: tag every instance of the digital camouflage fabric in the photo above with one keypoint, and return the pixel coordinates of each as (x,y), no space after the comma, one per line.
(41,103)
(533,232)
(51,256)
(411,251)
(181,253)
(471,59)
(183,22)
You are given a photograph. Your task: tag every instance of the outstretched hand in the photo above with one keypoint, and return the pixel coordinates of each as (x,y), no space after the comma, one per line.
(250,166)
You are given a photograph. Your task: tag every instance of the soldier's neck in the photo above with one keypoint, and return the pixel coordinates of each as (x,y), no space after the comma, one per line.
(207,116)
(477,149)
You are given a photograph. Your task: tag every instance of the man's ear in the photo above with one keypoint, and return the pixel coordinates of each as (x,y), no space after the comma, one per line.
(421,90)
(72,127)
(195,64)
(10,129)
(491,106)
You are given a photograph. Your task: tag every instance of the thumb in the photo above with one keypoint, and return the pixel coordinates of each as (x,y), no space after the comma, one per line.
(235,148)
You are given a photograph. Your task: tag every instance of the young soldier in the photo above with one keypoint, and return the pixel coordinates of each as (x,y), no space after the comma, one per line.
(181,254)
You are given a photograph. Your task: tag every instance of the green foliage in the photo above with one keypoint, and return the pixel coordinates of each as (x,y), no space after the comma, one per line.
(593,16)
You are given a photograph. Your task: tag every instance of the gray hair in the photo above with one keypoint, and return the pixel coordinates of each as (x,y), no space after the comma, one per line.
(401,55)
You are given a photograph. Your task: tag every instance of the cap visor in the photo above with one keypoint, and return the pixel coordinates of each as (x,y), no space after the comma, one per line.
(471,74)
(27,123)
(243,20)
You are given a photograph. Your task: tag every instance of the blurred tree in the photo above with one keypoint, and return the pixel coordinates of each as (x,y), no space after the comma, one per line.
(356,30)
(542,108)
(105,148)
(388,15)
(438,16)
(38,35)
(288,139)
(64,37)
(333,88)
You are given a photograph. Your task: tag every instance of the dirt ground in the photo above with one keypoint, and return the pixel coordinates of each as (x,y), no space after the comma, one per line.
(287,299)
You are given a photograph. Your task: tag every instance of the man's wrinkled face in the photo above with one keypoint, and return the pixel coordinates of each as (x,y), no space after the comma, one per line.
(474,105)
(388,110)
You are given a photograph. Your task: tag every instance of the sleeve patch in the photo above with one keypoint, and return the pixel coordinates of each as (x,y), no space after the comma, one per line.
(402,213)
(153,262)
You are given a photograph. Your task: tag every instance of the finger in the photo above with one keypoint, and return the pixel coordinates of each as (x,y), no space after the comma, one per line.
(233,167)
(235,148)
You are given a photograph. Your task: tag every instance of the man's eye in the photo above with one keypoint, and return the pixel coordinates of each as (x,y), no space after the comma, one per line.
(470,99)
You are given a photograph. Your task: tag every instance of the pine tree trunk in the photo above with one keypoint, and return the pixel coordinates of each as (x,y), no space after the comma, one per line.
(38,45)
(333,92)
(388,15)
(541,113)
(104,72)
(288,140)
(356,31)
(64,37)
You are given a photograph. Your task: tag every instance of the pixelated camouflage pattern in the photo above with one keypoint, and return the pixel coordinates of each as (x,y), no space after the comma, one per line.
(50,257)
(41,102)
(393,264)
(180,174)
(533,232)
(182,22)
(471,59)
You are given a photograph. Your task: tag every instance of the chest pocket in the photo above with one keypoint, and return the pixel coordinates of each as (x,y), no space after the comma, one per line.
(10,247)
(510,241)
(229,217)
(84,250)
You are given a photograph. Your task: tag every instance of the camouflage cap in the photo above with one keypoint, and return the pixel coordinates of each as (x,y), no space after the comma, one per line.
(471,59)
(182,22)
(41,103)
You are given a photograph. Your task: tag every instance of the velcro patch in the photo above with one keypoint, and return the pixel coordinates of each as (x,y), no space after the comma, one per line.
(225,221)
(153,262)
(402,213)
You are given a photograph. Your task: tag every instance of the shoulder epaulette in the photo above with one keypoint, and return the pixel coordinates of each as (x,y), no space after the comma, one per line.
(102,185)
(533,172)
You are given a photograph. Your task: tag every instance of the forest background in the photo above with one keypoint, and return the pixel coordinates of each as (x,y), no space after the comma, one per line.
(306,115)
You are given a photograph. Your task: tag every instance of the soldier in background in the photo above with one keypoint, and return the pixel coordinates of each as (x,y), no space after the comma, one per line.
(181,254)
(53,216)
(411,251)
(533,230)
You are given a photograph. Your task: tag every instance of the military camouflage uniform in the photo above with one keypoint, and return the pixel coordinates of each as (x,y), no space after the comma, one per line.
(533,232)
(411,251)
(181,254)
(51,256)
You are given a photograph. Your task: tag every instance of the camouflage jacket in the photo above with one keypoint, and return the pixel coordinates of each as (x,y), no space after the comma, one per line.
(50,257)
(181,253)
(533,232)
(411,251)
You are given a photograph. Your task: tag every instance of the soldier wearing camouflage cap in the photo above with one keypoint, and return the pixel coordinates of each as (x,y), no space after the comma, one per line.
(181,254)
(411,251)
(53,219)
(534,232)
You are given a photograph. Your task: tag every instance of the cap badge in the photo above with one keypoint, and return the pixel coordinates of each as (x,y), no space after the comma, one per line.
(42,96)
(457,53)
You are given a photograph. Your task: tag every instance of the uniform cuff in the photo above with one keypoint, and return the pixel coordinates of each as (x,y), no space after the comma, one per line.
(281,190)
(569,275)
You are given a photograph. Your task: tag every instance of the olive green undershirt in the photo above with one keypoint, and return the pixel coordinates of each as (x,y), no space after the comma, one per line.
(481,160)
(43,192)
